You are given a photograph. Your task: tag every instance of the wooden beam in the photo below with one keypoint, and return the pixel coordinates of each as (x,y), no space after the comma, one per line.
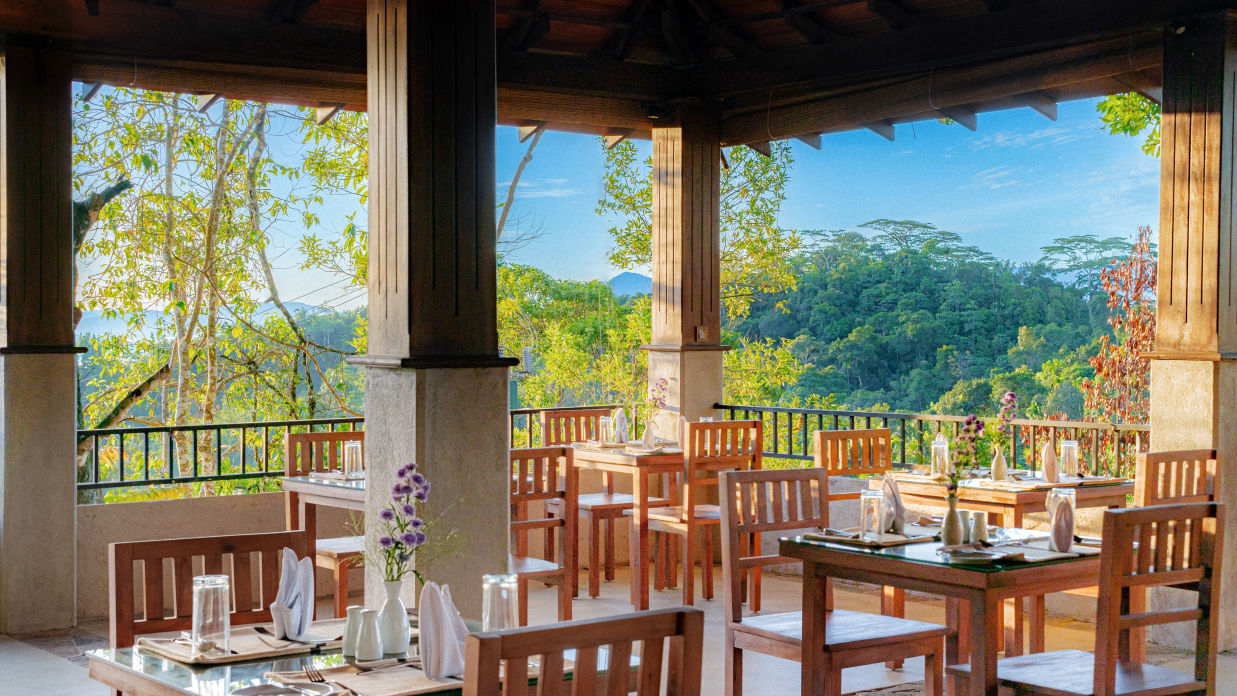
(809,28)
(883,128)
(205,101)
(731,39)
(1040,102)
(896,16)
(962,115)
(812,140)
(289,11)
(999,79)
(324,114)
(90,89)
(1144,84)
(674,34)
(527,31)
(613,139)
(530,129)
(619,45)
(764,147)
(725,160)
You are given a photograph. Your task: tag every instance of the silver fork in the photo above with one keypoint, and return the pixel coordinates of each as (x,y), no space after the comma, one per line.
(316,677)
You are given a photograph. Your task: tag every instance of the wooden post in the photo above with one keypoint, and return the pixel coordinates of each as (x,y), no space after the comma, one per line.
(1194,366)
(37,401)
(436,386)
(685,350)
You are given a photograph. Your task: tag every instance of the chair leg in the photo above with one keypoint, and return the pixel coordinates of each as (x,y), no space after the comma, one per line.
(549,540)
(734,667)
(522,591)
(594,543)
(833,671)
(609,550)
(1037,624)
(672,563)
(933,671)
(893,603)
(706,568)
(564,598)
(753,600)
(689,567)
(341,588)
(659,561)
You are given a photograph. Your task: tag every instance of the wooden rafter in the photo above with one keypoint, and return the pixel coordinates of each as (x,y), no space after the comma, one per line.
(735,42)
(883,128)
(675,34)
(613,139)
(812,140)
(90,89)
(1144,85)
(962,115)
(811,29)
(896,16)
(764,147)
(289,11)
(1041,103)
(619,45)
(530,29)
(530,129)
(205,101)
(324,114)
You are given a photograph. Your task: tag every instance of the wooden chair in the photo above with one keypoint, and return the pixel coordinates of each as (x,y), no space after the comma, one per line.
(309,453)
(1182,476)
(860,453)
(709,448)
(252,561)
(754,502)
(1158,546)
(536,477)
(498,663)
(599,510)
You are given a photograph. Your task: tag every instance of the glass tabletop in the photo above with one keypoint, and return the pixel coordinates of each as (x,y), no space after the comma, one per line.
(927,552)
(350,484)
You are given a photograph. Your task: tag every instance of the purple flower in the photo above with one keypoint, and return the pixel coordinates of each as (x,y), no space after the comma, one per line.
(951,486)
(401,489)
(420,538)
(416,523)
(403,557)
(418,479)
(387,514)
(386,542)
(409,510)
(409,538)
(411,466)
(421,494)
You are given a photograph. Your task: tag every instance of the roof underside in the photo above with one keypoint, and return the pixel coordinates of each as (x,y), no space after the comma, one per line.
(774,68)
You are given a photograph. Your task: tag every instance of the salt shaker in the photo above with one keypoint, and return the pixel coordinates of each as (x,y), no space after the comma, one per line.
(965,517)
(369,641)
(352,630)
(979,526)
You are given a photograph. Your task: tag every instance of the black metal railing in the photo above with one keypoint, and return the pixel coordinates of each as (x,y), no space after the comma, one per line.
(172,455)
(1105,447)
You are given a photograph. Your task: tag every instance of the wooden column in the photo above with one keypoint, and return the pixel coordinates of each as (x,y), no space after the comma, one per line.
(1194,366)
(37,386)
(686,350)
(436,387)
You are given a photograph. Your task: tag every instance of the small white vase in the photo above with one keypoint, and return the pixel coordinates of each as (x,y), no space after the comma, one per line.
(369,641)
(393,621)
(1000,469)
(952,532)
(352,631)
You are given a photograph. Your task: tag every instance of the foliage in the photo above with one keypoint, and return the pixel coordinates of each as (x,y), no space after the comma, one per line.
(1132,114)
(756,253)
(1083,256)
(1121,390)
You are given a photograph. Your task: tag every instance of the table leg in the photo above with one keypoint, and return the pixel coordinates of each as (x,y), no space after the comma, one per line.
(985,626)
(1014,620)
(640,544)
(292,510)
(957,643)
(1037,624)
(814,667)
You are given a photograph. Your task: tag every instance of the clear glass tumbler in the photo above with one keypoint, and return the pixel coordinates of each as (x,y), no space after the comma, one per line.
(940,457)
(872,514)
(605,429)
(211,614)
(1069,458)
(354,461)
(500,602)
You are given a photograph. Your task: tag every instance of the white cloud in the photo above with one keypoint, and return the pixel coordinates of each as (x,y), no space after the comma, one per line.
(540,188)
(997,178)
(1034,140)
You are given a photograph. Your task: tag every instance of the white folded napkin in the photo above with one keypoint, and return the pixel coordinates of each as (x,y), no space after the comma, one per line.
(895,511)
(1048,461)
(621,431)
(293,608)
(443,633)
(1062,534)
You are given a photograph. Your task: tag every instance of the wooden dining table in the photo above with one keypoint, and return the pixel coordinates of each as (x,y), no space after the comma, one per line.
(973,594)
(643,468)
(303,495)
(1008,507)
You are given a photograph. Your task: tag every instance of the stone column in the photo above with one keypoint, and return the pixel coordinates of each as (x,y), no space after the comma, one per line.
(37,388)
(1194,366)
(686,350)
(436,390)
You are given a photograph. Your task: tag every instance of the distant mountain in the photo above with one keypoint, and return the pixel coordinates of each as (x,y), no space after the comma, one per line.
(93,322)
(628,283)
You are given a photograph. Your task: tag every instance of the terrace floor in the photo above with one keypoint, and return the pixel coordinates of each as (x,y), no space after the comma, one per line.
(54,664)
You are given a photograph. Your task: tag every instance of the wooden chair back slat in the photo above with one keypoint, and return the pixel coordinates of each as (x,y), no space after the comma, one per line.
(249,603)
(308,453)
(1188,549)
(566,427)
(1178,476)
(853,453)
(753,502)
(717,446)
(536,477)
(498,662)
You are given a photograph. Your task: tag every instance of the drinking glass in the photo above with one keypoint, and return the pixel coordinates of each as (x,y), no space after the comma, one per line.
(500,602)
(605,429)
(872,514)
(940,457)
(354,465)
(211,617)
(1069,458)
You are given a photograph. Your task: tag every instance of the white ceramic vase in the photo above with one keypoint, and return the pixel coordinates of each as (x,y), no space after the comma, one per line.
(369,640)
(1000,470)
(393,620)
(952,532)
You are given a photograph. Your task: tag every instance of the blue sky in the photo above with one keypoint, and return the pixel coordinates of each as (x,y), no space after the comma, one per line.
(1009,188)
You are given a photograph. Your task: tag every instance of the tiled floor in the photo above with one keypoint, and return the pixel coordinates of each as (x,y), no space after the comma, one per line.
(52,665)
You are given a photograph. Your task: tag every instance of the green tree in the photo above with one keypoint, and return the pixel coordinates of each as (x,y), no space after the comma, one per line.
(1132,114)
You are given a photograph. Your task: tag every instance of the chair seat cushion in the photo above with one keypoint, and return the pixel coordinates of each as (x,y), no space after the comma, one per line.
(529,566)
(678,513)
(1071,673)
(341,548)
(844,630)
